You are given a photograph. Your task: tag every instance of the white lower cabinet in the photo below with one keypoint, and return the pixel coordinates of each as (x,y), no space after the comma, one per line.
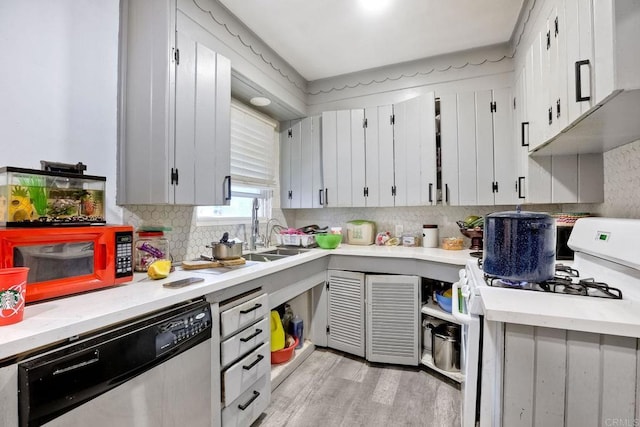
(245,359)
(379,321)
(243,411)
(393,319)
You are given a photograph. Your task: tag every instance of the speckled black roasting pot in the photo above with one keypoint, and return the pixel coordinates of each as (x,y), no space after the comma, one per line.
(519,246)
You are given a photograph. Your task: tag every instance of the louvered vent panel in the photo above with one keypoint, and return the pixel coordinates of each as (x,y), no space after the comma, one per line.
(393,315)
(346,312)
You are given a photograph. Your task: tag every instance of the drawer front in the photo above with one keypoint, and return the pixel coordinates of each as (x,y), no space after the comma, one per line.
(243,411)
(241,343)
(242,315)
(245,372)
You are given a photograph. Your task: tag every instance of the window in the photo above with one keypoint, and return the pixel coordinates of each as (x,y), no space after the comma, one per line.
(254,153)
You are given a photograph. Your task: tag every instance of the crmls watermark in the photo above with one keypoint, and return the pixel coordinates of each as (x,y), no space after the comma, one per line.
(622,422)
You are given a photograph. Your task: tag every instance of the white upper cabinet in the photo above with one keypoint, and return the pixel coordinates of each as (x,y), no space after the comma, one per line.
(478,149)
(174,142)
(414,137)
(379,155)
(337,157)
(301,164)
(589,73)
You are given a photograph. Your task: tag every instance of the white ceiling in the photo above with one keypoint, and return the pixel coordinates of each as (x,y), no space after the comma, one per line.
(326,38)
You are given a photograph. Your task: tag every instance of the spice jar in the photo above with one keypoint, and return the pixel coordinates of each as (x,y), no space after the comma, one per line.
(149,247)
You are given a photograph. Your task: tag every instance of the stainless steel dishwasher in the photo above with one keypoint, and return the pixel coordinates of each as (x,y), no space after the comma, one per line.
(153,371)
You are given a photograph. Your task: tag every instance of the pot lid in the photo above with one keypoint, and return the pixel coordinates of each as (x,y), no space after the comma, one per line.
(520,214)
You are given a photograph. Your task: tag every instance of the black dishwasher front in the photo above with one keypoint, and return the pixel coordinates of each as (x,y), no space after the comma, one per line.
(64,378)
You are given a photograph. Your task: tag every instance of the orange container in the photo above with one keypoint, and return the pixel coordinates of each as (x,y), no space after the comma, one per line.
(284,355)
(13,286)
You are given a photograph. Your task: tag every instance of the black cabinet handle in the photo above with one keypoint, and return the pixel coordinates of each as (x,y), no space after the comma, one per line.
(524,140)
(558,108)
(244,406)
(446,193)
(430,190)
(254,363)
(320,197)
(255,307)
(520,184)
(228,181)
(252,336)
(579,97)
(550,115)
(326,197)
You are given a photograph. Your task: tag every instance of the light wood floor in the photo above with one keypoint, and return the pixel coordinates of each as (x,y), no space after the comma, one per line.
(335,389)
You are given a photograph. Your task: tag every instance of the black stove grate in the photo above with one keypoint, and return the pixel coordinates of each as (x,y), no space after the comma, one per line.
(565,282)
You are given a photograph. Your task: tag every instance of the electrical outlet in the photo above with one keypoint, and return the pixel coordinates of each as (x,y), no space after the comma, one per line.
(399,230)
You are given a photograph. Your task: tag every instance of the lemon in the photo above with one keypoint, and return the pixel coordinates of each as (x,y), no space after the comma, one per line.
(159,269)
(447,293)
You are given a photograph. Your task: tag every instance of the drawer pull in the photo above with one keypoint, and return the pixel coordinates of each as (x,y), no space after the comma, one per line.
(242,407)
(254,363)
(255,307)
(253,335)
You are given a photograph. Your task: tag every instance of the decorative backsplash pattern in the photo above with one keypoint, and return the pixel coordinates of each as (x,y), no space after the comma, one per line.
(622,182)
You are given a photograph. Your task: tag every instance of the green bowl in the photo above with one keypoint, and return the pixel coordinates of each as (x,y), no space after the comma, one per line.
(328,241)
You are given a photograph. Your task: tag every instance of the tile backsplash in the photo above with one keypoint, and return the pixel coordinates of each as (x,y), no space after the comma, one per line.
(188,240)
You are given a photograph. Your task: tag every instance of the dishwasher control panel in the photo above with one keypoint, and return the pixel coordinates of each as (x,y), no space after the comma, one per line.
(186,326)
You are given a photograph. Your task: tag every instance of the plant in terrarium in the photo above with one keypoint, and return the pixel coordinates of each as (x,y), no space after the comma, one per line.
(37,193)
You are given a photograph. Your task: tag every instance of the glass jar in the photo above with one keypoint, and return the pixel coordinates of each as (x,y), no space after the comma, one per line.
(149,247)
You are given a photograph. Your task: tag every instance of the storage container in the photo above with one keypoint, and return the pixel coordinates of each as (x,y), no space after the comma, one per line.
(150,246)
(361,232)
(430,236)
(35,198)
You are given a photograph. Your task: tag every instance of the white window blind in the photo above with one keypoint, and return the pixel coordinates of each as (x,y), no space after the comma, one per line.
(253,148)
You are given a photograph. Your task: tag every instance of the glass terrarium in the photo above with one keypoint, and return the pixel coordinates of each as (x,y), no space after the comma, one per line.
(36,198)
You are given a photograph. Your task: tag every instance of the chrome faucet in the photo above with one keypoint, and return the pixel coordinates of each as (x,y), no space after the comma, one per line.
(255,225)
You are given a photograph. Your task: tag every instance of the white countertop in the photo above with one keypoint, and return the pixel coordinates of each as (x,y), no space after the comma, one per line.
(51,321)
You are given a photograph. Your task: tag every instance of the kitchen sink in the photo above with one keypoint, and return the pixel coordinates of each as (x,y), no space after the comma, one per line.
(273,254)
(285,251)
(263,257)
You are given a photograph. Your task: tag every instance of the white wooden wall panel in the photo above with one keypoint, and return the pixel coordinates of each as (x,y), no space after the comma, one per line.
(564,179)
(285,166)
(583,379)
(358,159)
(567,378)
(618,362)
(449,149)
(467,149)
(538,179)
(550,369)
(346,312)
(519,371)
(393,314)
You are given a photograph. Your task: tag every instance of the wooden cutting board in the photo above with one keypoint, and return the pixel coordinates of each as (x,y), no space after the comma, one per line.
(195,265)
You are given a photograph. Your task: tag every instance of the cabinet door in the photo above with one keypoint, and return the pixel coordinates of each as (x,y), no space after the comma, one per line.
(474,134)
(378,133)
(415,151)
(484,148)
(330,157)
(203,104)
(521,132)
(285,166)
(315,191)
(449,148)
(578,35)
(536,102)
(504,153)
(343,138)
(346,312)
(358,167)
(385,181)
(393,315)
